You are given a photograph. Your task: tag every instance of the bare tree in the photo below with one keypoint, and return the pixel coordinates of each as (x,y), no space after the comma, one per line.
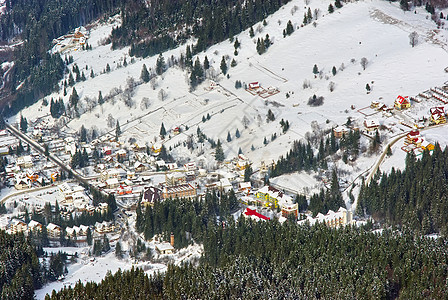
(245,122)
(316,13)
(413,39)
(162,95)
(110,121)
(306,84)
(331,86)
(145,103)
(153,82)
(364,62)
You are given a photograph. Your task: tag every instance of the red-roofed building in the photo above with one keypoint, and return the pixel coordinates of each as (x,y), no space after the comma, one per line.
(253,213)
(402,102)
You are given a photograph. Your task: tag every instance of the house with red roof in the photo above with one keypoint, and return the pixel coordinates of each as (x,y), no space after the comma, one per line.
(402,102)
(438,115)
(255,215)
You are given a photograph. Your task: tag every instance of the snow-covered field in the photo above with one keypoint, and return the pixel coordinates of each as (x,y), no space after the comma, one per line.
(376,30)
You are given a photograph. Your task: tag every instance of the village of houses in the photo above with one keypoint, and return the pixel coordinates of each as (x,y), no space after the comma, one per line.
(135,173)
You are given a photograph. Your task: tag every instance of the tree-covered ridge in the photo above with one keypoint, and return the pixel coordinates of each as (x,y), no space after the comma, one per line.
(37,23)
(20,271)
(151,29)
(269,260)
(416,197)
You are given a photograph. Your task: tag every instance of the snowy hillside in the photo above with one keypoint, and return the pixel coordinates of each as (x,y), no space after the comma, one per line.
(375,30)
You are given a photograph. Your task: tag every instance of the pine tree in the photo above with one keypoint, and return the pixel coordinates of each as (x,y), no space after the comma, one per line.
(162,131)
(74,98)
(117,131)
(237,133)
(289,28)
(229,137)
(251,32)
(23,124)
(333,71)
(118,250)
(100,98)
(219,153)
(160,65)
(223,66)
(338,4)
(188,58)
(71,80)
(206,63)
(144,75)
(330,8)
(315,70)
(247,173)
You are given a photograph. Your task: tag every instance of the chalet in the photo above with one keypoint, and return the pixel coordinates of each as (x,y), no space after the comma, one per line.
(70,149)
(156,148)
(104,227)
(34,226)
(17,226)
(438,115)
(242,162)
(191,166)
(106,150)
(176,130)
(336,219)
(151,195)
(190,176)
(252,213)
(109,174)
(54,231)
(112,183)
(254,85)
(244,187)
(412,137)
(225,185)
(371,124)
(374,104)
(24,161)
(340,131)
(121,153)
(402,102)
(427,146)
(289,209)
(175,178)
(130,175)
(164,248)
(22,182)
(139,166)
(179,191)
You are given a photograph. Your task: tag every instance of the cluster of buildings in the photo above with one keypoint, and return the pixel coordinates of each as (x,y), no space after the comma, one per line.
(340,218)
(77,233)
(415,142)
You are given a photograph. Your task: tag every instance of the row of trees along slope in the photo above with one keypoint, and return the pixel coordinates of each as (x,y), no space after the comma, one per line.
(269,260)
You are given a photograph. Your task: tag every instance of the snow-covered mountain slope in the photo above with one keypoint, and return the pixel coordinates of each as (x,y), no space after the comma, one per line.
(375,30)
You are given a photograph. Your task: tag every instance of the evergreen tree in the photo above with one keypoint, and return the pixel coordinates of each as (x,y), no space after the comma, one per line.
(338,4)
(23,124)
(237,133)
(117,131)
(206,63)
(330,8)
(315,70)
(188,58)
(100,98)
(229,137)
(118,250)
(251,32)
(162,130)
(219,153)
(107,68)
(247,173)
(74,98)
(160,65)
(333,71)
(289,28)
(223,66)
(144,75)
